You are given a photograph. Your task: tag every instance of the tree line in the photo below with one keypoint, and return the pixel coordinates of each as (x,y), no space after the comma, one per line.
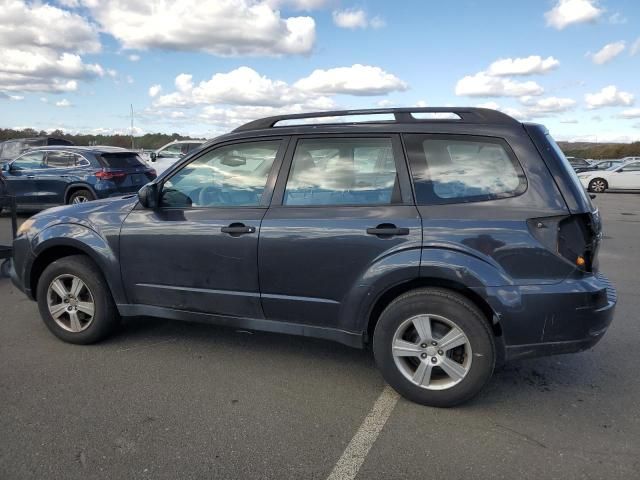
(146,141)
(598,151)
(156,140)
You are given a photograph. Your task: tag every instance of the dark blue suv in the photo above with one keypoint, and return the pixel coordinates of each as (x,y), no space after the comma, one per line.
(57,175)
(447,240)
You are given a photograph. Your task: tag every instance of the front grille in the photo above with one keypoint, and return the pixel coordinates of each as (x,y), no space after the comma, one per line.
(612,294)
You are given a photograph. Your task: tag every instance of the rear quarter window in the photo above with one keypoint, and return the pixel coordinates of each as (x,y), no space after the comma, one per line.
(462,168)
(120,160)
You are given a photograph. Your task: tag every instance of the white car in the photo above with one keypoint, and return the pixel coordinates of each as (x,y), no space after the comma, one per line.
(170,153)
(618,177)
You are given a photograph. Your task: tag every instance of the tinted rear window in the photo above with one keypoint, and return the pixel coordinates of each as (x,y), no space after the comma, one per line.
(459,168)
(121,160)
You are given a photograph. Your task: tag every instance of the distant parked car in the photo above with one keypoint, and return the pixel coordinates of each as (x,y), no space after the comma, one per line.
(579,164)
(10,149)
(605,164)
(169,154)
(625,176)
(58,175)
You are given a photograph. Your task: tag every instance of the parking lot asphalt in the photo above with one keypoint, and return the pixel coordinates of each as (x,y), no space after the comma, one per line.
(167,399)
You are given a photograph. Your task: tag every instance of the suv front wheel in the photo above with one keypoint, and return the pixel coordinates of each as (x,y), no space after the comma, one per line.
(434,347)
(75,301)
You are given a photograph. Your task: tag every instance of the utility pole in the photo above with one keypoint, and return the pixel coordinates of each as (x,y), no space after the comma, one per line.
(132,146)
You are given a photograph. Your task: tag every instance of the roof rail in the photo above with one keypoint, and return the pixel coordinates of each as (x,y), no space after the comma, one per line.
(402,115)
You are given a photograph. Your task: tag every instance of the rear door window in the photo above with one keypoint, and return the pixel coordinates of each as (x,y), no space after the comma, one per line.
(60,160)
(121,160)
(343,171)
(461,168)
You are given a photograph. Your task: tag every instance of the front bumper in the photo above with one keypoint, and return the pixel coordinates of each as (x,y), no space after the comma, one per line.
(567,317)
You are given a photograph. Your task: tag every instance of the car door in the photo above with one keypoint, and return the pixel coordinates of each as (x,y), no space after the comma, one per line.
(21,178)
(627,178)
(198,251)
(344,205)
(52,180)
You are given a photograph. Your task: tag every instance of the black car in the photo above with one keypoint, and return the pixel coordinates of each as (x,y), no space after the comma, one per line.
(446,245)
(10,149)
(57,175)
(579,164)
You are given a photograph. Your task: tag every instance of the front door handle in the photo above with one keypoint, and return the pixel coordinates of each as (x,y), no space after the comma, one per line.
(387,230)
(31,176)
(237,229)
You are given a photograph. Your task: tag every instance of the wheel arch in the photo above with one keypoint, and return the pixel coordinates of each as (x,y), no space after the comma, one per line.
(71,239)
(74,187)
(395,291)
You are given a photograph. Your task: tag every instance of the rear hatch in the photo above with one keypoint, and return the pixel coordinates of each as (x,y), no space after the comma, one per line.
(125,169)
(576,236)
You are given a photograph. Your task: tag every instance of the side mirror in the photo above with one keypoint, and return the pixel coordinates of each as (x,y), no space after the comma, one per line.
(153,156)
(5,167)
(148,196)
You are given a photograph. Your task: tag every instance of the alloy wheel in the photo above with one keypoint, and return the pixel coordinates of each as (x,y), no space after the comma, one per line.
(598,186)
(70,303)
(432,352)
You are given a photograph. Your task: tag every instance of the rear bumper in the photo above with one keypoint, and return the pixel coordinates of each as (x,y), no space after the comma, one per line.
(568,317)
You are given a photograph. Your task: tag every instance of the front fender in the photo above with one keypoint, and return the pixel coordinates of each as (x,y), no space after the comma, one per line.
(86,240)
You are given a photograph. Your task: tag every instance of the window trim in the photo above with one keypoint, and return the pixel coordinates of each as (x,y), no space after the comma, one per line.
(85,161)
(404,181)
(522,187)
(269,185)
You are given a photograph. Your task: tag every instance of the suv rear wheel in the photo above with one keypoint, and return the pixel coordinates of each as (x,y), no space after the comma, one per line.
(434,347)
(81,196)
(75,301)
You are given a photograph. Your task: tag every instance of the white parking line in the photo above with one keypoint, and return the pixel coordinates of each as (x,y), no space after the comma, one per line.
(354,455)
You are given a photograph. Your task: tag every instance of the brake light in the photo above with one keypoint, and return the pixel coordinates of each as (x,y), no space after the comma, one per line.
(105,175)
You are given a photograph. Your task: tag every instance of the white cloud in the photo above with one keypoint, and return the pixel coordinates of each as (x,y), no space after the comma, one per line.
(220,27)
(154,90)
(635,47)
(232,98)
(134,57)
(63,103)
(306,5)
(609,96)
(608,52)
(40,48)
(483,85)
(537,107)
(569,12)
(356,18)
(569,121)
(618,19)
(631,113)
(354,80)
(531,65)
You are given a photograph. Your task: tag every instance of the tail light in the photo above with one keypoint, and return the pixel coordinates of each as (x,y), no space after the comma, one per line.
(576,238)
(110,175)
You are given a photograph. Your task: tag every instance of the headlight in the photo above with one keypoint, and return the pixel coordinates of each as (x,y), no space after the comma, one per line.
(26,225)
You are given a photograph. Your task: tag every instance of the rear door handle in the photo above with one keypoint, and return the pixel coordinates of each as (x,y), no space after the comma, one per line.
(31,176)
(238,229)
(387,229)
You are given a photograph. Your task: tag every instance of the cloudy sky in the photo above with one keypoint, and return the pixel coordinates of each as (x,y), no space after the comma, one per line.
(201,67)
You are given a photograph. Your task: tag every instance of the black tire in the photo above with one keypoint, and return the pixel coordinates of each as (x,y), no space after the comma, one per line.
(598,185)
(105,319)
(455,307)
(80,196)
(4,269)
